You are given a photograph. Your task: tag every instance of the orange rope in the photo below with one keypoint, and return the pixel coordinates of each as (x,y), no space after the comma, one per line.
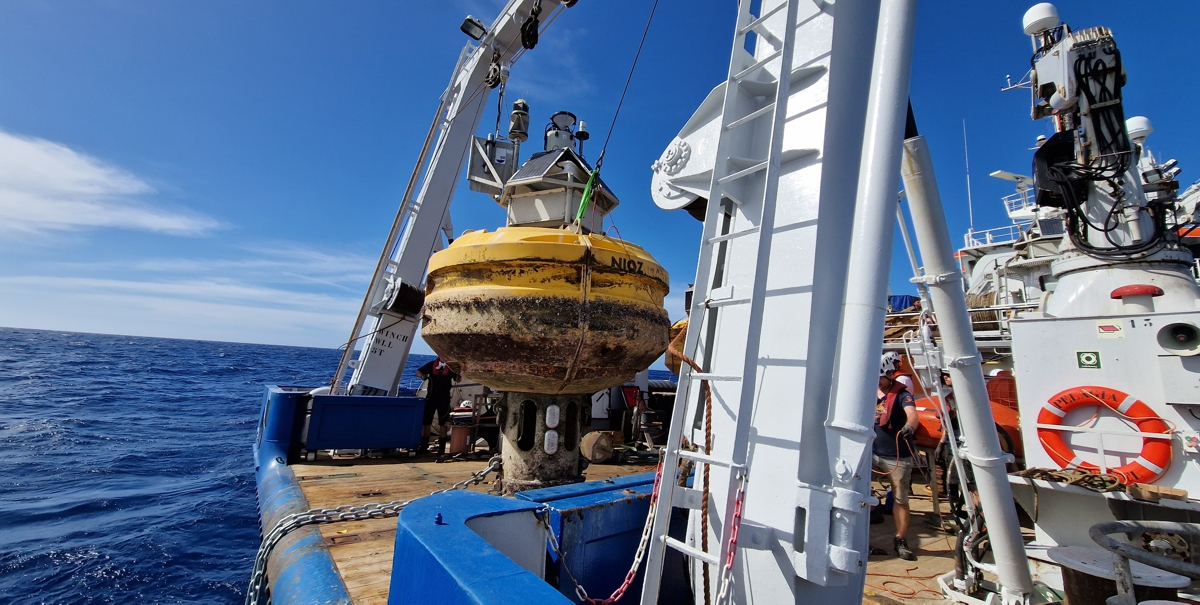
(903,595)
(673,349)
(1171,428)
(912,592)
(907,575)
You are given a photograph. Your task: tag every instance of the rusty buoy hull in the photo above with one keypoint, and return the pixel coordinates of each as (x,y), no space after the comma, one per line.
(545,311)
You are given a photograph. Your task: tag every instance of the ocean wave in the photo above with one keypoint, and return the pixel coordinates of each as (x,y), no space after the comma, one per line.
(130,474)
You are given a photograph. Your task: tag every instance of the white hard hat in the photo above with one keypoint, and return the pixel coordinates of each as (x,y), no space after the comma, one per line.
(889,363)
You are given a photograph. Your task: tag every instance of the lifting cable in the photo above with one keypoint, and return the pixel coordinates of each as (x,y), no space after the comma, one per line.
(589,189)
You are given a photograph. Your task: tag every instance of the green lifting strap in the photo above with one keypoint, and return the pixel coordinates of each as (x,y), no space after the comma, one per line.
(587,194)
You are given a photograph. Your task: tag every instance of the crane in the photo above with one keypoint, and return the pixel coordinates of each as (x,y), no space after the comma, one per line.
(395,295)
(796,183)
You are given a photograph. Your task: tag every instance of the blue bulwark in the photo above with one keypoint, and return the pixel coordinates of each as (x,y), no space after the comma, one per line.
(360,422)
(300,569)
(439,559)
(599,524)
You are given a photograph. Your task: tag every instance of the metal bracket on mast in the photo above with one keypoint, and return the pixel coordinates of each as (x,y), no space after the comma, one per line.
(941,278)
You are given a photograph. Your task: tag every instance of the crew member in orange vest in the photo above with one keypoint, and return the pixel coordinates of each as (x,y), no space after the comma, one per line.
(892,452)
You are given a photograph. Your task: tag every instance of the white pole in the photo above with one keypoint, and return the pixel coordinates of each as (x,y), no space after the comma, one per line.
(964,363)
(967,159)
(853,404)
(922,290)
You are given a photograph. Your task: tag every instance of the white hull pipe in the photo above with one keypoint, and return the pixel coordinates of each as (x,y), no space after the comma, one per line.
(852,409)
(944,280)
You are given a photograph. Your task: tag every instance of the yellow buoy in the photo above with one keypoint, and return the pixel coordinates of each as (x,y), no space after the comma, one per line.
(673,361)
(538,310)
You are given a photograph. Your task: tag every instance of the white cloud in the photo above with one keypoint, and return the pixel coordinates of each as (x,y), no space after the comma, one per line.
(277,264)
(273,294)
(194,310)
(47,186)
(550,73)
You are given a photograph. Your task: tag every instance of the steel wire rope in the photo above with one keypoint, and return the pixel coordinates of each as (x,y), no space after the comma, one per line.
(520,52)
(484,85)
(592,178)
(461,158)
(585,313)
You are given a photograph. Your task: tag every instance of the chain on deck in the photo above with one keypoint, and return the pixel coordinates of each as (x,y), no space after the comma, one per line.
(257,592)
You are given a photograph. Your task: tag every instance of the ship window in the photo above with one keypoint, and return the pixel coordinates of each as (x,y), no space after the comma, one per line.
(527,425)
(798,529)
(571,431)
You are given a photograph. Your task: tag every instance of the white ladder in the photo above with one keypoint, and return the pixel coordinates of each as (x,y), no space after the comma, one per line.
(735,179)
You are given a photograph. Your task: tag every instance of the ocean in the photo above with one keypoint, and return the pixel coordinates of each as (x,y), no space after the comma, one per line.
(129,476)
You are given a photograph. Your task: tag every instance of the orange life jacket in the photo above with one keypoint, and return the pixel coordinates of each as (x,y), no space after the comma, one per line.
(890,402)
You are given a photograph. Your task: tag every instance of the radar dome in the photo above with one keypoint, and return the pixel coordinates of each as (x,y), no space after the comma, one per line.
(1139,128)
(1040,18)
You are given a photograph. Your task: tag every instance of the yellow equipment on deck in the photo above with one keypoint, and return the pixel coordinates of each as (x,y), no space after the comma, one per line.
(673,361)
(539,310)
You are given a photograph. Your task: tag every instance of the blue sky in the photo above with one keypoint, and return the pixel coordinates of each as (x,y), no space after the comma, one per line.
(228,170)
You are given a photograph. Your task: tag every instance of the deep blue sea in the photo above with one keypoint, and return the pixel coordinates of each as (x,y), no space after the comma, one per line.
(127,474)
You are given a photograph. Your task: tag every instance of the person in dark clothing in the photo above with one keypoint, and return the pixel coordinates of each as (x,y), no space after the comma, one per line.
(437,399)
(892,451)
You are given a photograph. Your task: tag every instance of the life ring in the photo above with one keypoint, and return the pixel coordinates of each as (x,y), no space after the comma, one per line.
(1155,456)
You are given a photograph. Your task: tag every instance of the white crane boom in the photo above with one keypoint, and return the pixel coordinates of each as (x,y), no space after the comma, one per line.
(396,293)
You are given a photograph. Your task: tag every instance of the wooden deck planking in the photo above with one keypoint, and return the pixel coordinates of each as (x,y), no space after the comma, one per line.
(366,564)
(362,550)
(892,580)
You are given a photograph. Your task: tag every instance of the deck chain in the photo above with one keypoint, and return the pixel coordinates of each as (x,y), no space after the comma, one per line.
(258,594)
(543,515)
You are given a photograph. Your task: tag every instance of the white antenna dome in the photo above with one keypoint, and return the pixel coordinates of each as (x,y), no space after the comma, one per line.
(1139,128)
(1040,18)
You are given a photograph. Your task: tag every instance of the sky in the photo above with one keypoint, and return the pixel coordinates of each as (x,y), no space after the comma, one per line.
(228,170)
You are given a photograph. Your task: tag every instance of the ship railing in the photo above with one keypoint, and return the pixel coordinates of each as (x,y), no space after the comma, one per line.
(1016,202)
(996,235)
(987,323)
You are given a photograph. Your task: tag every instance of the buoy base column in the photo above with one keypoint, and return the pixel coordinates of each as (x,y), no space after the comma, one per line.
(540,435)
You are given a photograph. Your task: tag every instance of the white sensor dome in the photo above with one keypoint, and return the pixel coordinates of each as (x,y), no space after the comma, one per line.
(1139,128)
(1040,18)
